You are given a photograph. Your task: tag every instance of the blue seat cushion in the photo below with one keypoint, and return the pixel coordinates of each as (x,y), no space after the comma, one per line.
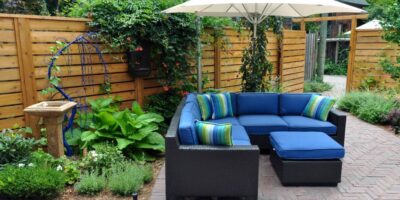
(301,123)
(262,124)
(293,104)
(239,136)
(231,120)
(186,130)
(257,103)
(305,146)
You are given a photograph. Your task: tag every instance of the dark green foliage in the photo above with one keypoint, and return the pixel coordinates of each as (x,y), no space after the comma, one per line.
(91,184)
(368,106)
(33,7)
(69,167)
(331,68)
(132,130)
(15,148)
(255,66)
(394,120)
(125,24)
(316,86)
(33,183)
(126,178)
(164,104)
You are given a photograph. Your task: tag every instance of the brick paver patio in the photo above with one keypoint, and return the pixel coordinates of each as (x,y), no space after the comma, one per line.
(371,170)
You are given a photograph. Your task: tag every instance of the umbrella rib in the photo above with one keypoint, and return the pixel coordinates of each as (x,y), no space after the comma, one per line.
(280,5)
(247,17)
(229,8)
(209,6)
(248,13)
(295,10)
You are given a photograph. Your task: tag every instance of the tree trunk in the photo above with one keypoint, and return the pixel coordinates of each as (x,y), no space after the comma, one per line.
(322,48)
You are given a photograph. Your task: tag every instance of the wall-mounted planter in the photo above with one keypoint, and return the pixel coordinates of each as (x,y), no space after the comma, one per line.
(139,60)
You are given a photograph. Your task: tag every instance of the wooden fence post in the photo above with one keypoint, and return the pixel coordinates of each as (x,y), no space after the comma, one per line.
(352,54)
(26,69)
(139,88)
(217,62)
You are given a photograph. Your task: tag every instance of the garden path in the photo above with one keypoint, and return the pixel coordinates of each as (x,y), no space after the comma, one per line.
(338,83)
(371,170)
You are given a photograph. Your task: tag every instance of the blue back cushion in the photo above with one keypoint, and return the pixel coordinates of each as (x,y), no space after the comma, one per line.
(234,103)
(187,132)
(257,103)
(191,97)
(293,104)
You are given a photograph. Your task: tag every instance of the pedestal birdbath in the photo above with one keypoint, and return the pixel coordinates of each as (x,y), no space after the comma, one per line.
(52,113)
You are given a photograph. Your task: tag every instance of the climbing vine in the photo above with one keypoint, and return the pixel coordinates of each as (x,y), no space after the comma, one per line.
(255,65)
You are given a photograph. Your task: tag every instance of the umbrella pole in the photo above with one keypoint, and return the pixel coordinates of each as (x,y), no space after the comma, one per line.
(199,71)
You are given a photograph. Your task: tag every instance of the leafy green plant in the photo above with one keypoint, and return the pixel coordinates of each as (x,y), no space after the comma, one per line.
(33,183)
(316,86)
(133,131)
(164,104)
(69,167)
(91,184)
(336,69)
(14,147)
(126,178)
(368,106)
(102,157)
(255,66)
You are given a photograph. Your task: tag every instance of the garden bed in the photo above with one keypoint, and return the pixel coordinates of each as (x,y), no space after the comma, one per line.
(144,193)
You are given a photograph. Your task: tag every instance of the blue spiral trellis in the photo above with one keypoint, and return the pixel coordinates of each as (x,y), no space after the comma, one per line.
(85,60)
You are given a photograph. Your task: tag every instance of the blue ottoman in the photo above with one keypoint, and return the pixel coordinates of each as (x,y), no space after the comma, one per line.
(306,158)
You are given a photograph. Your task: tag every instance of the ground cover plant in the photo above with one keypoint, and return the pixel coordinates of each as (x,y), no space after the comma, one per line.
(373,107)
(91,183)
(316,86)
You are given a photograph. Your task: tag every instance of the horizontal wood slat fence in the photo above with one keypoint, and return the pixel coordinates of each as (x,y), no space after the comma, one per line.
(370,49)
(25,43)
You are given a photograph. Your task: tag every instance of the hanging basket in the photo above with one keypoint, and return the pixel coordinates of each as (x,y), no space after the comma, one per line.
(139,60)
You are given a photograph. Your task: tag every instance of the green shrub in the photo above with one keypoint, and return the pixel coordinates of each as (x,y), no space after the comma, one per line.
(316,86)
(394,119)
(126,178)
(335,69)
(103,156)
(91,184)
(15,148)
(69,167)
(164,104)
(368,106)
(30,183)
(133,131)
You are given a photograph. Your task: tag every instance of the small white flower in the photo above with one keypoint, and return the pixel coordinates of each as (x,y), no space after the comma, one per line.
(59,168)
(93,153)
(95,159)
(21,165)
(31,165)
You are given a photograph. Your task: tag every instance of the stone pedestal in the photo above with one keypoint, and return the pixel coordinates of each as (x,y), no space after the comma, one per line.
(52,113)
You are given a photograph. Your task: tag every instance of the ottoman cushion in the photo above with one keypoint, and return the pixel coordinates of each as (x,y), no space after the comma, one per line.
(305,146)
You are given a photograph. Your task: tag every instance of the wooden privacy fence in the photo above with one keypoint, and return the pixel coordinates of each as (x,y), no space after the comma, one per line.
(370,49)
(25,43)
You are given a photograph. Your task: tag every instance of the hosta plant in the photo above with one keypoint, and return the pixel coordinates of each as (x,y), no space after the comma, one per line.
(132,130)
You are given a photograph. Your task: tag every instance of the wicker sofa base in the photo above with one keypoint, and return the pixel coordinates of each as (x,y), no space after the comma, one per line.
(307,172)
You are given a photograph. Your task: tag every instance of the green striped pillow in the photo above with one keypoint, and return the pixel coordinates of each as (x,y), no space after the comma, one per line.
(214,134)
(204,101)
(221,105)
(318,107)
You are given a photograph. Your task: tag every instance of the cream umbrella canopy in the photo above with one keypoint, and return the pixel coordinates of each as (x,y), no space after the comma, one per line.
(256,11)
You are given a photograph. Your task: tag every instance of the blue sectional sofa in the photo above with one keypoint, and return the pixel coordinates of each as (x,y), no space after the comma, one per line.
(259,114)
(202,170)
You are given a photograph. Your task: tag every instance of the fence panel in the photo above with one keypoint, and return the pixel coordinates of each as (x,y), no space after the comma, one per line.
(293,60)
(370,50)
(25,43)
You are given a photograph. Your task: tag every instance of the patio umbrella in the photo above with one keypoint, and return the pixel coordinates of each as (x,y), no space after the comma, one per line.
(256,11)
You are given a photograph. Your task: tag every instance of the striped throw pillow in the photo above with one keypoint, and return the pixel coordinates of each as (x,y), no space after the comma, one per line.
(204,101)
(214,134)
(221,105)
(318,107)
